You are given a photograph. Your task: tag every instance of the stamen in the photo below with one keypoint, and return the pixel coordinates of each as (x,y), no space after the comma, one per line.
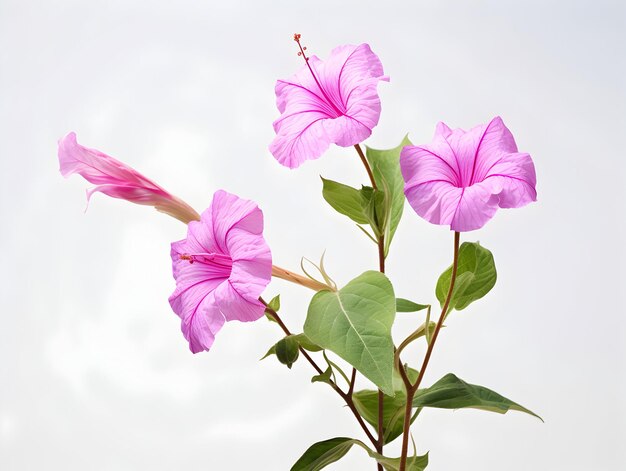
(296,38)
(209,258)
(185,256)
(301,53)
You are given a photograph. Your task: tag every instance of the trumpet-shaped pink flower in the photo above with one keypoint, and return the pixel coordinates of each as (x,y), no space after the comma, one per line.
(462,177)
(327,102)
(221,269)
(118,180)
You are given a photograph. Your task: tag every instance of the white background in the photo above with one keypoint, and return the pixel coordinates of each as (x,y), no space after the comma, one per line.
(94,373)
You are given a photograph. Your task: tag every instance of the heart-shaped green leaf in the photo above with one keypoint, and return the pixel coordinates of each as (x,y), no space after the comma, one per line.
(355,323)
(476,275)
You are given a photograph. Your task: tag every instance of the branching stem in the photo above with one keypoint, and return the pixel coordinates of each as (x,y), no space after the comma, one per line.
(346,396)
(412,388)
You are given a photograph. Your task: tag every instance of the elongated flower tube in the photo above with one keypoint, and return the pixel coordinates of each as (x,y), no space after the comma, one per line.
(327,102)
(221,269)
(462,177)
(118,180)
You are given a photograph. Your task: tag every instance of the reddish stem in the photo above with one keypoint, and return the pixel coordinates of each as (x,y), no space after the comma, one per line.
(412,389)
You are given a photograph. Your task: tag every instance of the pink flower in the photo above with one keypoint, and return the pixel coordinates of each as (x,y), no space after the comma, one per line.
(462,177)
(221,269)
(118,180)
(327,102)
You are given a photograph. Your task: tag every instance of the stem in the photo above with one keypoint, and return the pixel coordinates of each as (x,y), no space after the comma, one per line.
(352,381)
(292,277)
(366,164)
(347,397)
(381,395)
(413,389)
(381,264)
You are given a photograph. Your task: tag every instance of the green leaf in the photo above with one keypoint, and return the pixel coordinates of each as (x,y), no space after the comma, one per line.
(366,402)
(345,200)
(476,275)
(325,377)
(413,463)
(287,350)
(355,323)
(404,305)
(306,343)
(271,351)
(274,304)
(385,166)
(365,206)
(451,392)
(376,207)
(321,454)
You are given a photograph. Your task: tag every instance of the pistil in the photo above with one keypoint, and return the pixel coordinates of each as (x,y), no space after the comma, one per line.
(302,53)
(208,258)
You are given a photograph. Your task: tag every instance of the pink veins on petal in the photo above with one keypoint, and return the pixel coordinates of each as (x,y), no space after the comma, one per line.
(221,269)
(327,102)
(462,177)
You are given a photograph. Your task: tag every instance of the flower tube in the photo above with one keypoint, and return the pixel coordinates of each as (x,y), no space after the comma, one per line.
(118,180)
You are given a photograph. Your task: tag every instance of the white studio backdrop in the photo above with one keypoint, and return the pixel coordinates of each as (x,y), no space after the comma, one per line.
(94,373)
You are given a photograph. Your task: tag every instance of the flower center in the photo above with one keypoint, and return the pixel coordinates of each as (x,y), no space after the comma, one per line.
(221,263)
(335,110)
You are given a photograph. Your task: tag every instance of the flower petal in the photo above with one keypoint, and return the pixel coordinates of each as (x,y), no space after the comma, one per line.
(420,164)
(435,201)
(301,137)
(226,268)
(463,209)
(350,77)
(462,177)
(97,167)
(203,323)
(191,274)
(252,259)
(495,142)
(225,212)
(200,236)
(132,193)
(327,102)
(476,205)
(235,306)
(514,175)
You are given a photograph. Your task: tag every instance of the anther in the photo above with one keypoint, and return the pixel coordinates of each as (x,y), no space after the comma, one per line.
(185,256)
(296,38)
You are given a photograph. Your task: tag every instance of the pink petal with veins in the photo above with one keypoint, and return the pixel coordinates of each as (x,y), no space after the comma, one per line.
(221,269)
(462,177)
(333,102)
